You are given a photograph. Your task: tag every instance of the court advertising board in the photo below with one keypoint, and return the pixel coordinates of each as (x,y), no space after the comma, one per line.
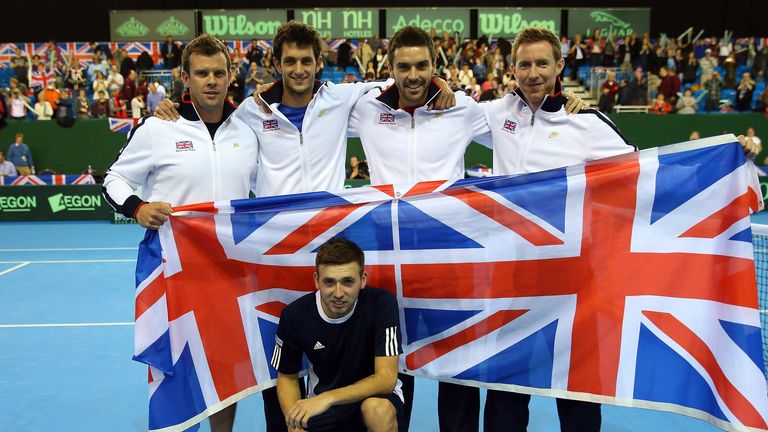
(450,20)
(341,23)
(243,23)
(508,22)
(619,22)
(43,203)
(144,25)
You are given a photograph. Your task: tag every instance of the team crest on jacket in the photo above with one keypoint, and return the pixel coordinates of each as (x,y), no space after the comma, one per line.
(182,146)
(510,126)
(270,125)
(386,118)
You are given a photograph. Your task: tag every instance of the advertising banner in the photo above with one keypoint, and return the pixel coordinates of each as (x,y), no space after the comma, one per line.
(45,203)
(508,22)
(155,25)
(243,24)
(619,22)
(341,23)
(441,19)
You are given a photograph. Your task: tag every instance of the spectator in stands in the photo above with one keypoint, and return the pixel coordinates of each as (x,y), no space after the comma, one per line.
(20,66)
(177,86)
(117,107)
(707,65)
(744,93)
(99,83)
(606,102)
(43,109)
(713,86)
(694,135)
(730,72)
(100,106)
(65,113)
(129,85)
(761,105)
(755,139)
(143,87)
(577,55)
(267,71)
(171,53)
(97,65)
(101,50)
(364,52)
(52,95)
(465,75)
(595,46)
(690,67)
(75,77)
(154,97)
(473,90)
(344,55)
(7,168)
(609,51)
(660,106)
(236,85)
(687,103)
(20,156)
(670,85)
(380,58)
(115,80)
(138,106)
(144,62)
(82,105)
(255,54)
(761,60)
(14,84)
(126,64)
(353,170)
(638,88)
(612,85)
(17,105)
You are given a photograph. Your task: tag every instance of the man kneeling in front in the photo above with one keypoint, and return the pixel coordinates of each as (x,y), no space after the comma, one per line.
(350,335)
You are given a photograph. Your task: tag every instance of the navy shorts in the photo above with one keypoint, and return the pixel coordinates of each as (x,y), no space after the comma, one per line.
(348,417)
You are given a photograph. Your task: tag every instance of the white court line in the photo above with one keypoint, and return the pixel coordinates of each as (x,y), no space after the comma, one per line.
(115,324)
(69,249)
(69,261)
(23,263)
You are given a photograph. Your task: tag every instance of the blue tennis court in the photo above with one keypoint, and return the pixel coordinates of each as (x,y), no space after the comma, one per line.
(66,332)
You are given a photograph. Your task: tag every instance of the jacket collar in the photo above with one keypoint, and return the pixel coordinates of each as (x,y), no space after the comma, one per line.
(274,93)
(553,102)
(391,96)
(188,111)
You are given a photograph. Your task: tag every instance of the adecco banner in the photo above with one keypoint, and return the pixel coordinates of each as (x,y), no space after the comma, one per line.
(619,22)
(441,19)
(341,23)
(43,203)
(243,24)
(142,25)
(509,22)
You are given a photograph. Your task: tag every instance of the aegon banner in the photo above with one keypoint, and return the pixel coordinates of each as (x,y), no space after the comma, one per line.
(619,22)
(442,20)
(43,203)
(243,24)
(507,23)
(341,23)
(142,25)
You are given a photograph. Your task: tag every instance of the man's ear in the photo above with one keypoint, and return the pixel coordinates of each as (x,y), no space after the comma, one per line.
(185,78)
(560,66)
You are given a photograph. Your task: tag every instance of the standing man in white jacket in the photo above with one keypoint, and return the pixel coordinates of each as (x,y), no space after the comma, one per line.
(208,155)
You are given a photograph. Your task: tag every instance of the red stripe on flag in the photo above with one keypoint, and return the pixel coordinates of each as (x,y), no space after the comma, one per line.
(206,207)
(722,219)
(433,351)
(274,308)
(319,224)
(150,295)
(689,341)
(511,219)
(387,189)
(424,187)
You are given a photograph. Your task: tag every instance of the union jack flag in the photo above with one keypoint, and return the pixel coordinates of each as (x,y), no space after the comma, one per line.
(270,125)
(7,52)
(77,52)
(121,125)
(510,126)
(620,281)
(134,49)
(52,179)
(386,118)
(184,146)
(39,78)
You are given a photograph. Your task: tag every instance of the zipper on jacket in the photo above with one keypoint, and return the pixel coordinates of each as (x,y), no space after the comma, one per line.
(412,161)
(533,117)
(304,163)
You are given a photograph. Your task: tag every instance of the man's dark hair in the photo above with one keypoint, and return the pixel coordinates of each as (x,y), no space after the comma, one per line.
(295,32)
(410,36)
(339,250)
(206,45)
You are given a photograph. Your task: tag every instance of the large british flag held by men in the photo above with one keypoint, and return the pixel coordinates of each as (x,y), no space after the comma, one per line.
(627,281)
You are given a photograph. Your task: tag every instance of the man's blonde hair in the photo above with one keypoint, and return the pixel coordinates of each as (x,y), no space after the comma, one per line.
(537,34)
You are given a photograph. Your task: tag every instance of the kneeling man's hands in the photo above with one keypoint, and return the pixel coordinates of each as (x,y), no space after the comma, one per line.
(304,409)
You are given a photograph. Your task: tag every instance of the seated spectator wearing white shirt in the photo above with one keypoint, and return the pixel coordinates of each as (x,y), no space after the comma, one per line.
(7,168)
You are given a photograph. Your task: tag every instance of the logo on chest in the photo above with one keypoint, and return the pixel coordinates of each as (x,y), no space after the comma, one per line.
(270,125)
(386,118)
(510,126)
(183,146)
(318,346)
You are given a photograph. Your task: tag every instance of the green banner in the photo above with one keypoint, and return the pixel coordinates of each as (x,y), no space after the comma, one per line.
(508,22)
(143,25)
(341,23)
(441,19)
(45,203)
(243,24)
(619,22)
